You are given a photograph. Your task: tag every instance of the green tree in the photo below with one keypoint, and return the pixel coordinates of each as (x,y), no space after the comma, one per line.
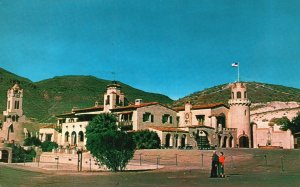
(30,141)
(47,146)
(109,146)
(19,154)
(286,124)
(146,139)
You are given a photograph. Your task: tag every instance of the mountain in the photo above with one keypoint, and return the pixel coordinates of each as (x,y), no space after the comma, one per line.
(44,99)
(257,93)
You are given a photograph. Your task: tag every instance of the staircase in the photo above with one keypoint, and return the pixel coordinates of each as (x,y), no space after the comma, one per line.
(202,142)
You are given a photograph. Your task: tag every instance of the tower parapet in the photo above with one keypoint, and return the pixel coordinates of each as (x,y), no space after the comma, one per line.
(113,96)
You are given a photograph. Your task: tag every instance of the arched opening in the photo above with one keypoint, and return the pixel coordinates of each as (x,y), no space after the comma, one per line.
(10,131)
(244,142)
(202,140)
(231,141)
(73,138)
(224,142)
(183,137)
(221,120)
(238,95)
(4,156)
(67,136)
(176,140)
(81,136)
(219,140)
(168,138)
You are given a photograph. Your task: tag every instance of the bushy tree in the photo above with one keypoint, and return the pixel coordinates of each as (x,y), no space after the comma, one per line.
(109,146)
(30,141)
(286,124)
(146,139)
(47,146)
(19,154)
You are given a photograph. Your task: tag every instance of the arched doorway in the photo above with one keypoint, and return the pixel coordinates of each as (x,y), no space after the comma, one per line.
(183,137)
(4,156)
(244,142)
(168,138)
(73,138)
(224,142)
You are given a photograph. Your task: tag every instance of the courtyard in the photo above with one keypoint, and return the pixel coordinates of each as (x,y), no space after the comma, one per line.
(244,167)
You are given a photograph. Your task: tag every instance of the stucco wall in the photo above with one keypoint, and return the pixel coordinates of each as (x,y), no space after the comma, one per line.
(158,111)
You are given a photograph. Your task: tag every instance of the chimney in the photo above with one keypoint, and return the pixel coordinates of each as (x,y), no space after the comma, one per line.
(138,101)
(188,106)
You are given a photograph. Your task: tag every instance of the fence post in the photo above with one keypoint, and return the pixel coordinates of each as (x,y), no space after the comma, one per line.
(266,159)
(176,160)
(282,168)
(140,159)
(90,164)
(202,160)
(56,158)
(232,163)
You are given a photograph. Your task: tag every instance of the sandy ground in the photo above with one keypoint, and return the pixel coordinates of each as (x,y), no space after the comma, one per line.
(248,167)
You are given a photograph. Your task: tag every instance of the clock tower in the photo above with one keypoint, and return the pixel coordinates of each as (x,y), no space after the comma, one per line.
(13,117)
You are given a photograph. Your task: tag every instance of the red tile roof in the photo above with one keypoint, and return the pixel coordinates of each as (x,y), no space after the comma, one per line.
(202,106)
(51,126)
(167,129)
(91,109)
(134,106)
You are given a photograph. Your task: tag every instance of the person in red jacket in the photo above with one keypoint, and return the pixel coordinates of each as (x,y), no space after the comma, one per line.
(221,165)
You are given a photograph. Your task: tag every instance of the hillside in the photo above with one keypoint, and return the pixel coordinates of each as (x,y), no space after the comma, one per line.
(257,93)
(44,99)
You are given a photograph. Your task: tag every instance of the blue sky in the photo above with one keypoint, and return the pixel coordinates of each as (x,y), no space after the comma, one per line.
(173,47)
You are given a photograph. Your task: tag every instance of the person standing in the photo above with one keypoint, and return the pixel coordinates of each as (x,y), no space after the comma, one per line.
(214,165)
(221,164)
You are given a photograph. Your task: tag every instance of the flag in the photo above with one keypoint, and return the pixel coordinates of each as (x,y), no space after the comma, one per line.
(235,64)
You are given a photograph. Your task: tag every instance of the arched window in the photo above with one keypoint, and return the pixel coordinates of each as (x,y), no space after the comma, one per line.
(67,136)
(81,136)
(239,95)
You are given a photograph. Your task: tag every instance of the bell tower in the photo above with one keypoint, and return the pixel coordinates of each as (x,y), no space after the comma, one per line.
(12,130)
(240,114)
(113,97)
(15,100)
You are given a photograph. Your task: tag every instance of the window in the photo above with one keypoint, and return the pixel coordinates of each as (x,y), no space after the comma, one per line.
(245,94)
(167,118)
(107,102)
(48,137)
(17,103)
(67,136)
(239,95)
(148,117)
(81,136)
(117,100)
(200,119)
(8,104)
(245,112)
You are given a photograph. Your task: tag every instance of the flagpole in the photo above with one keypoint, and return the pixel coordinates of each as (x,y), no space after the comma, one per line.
(238,72)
